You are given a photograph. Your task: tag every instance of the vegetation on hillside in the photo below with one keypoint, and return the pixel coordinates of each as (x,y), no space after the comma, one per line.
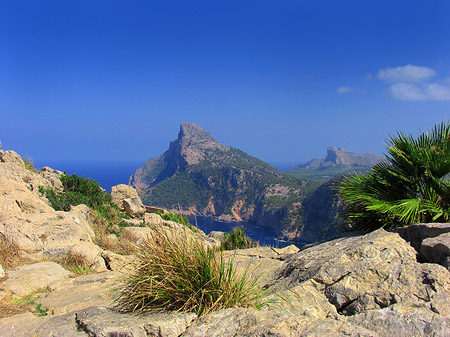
(411,186)
(176,272)
(323,174)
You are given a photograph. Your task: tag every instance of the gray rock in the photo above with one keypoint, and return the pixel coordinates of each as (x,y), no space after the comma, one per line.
(27,279)
(415,234)
(217,235)
(373,271)
(99,321)
(80,293)
(437,250)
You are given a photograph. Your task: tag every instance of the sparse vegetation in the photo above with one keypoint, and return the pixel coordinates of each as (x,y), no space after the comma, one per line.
(176,272)
(9,253)
(411,186)
(10,306)
(237,240)
(77,263)
(29,164)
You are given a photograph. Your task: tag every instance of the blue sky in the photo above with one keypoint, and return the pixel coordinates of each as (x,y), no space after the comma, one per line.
(282,79)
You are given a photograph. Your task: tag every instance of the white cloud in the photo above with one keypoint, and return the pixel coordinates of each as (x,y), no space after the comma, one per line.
(408,73)
(407,92)
(437,92)
(345,90)
(412,92)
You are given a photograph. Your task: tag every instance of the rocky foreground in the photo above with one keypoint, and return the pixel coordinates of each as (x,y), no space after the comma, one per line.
(376,284)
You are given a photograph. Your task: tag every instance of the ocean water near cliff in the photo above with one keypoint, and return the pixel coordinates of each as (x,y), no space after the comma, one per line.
(208,224)
(107,174)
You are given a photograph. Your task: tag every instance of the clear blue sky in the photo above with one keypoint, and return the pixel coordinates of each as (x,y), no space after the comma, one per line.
(280,79)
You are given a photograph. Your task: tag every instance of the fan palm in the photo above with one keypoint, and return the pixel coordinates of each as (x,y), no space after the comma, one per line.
(410,186)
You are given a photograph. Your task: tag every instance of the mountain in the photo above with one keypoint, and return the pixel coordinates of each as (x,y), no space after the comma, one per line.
(337,162)
(200,176)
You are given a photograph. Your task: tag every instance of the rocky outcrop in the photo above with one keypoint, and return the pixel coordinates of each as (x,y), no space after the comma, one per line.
(338,156)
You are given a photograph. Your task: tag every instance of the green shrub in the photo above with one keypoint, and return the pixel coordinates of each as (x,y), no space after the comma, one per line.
(237,240)
(176,272)
(410,186)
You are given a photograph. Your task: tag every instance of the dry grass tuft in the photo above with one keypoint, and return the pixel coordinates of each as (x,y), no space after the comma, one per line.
(77,263)
(9,253)
(176,272)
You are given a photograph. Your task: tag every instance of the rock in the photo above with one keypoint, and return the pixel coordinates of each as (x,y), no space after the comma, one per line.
(126,198)
(415,234)
(81,292)
(134,207)
(2,272)
(217,235)
(153,219)
(369,272)
(27,279)
(28,324)
(138,234)
(90,254)
(437,250)
(98,321)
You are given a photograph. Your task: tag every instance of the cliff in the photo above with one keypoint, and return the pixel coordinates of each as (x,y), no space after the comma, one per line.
(205,177)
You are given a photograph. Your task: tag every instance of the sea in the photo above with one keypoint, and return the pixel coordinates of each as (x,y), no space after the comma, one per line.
(109,174)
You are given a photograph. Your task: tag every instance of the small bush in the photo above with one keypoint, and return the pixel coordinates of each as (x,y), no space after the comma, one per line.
(237,240)
(176,272)
(29,165)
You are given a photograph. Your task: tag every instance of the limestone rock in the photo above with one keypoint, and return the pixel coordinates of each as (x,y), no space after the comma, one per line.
(127,199)
(91,254)
(2,272)
(121,192)
(437,250)
(99,321)
(81,292)
(134,207)
(34,277)
(153,219)
(373,271)
(415,234)
(30,325)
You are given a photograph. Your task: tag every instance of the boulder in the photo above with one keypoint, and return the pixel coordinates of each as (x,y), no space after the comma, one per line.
(134,207)
(368,272)
(153,219)
(90,254)
(127,199)
(217,235)
(2,272)
(437,250)
(99,321)
(415,234)
(27,279)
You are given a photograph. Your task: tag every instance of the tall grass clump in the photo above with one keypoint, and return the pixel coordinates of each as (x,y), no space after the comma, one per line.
(237,239)
(176,272)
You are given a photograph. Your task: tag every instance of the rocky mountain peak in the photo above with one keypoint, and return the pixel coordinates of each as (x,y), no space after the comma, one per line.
(191,132)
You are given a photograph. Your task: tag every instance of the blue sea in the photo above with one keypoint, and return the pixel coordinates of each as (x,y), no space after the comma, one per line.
(265,238)
(107,174)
